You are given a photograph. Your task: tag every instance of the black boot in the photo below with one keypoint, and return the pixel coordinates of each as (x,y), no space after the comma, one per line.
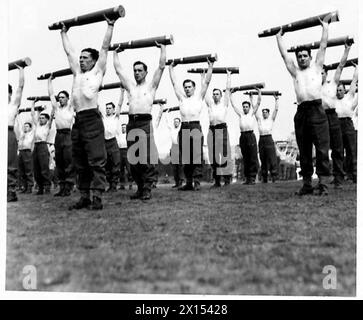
(61,191)
(81,203)
(12,196)
(96,203)
(67,190)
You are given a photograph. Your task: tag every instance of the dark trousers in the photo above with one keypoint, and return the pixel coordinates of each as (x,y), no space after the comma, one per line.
(220,152)
(125,170)
(41,165)
(25,166)
(176,166)
(350,147)
(312,128)
(63,157)
(113,161)
(12,159)
(190,141)
(266,147)
(336,144)
(142,153)
(248,144)
(88,150)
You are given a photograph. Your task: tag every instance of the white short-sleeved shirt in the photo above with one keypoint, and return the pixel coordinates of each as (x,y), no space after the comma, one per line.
(26,140)
(110,123)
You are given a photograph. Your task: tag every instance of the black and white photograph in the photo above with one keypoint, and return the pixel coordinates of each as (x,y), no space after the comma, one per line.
(199,148)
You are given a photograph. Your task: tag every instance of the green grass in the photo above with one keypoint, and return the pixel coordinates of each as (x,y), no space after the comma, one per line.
(236,240)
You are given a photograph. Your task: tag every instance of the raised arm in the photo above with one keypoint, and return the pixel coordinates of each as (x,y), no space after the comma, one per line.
(353,85)
(71,55)
(102,59)
(51,117)
(339,70)
(19,90)
(227,93)
(258,103)
(235,105)
(320,56)
(32,112)
(179,94)
(160,114)
(274,114)
(159,71)
(120,103)
(290,65)
(51,92)
(207,80)
(126,82)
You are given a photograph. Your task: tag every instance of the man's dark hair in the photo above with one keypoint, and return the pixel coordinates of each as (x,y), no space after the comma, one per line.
(94,53)
(266,109)
(124,124)
(140,63)
(300,49)
(342,84)
(64,92)
(10,89)
(110,103)
(246,102)
(189,80)
(216,89)
(176,118)
(29,124)
(46,115)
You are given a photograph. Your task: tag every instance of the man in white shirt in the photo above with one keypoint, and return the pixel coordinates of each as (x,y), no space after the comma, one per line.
(190,138)
(311,123)
(218,139)
(266,144)
(25,161)
(111,122)
(329,90)
(88,136)
(141,96)
(42,124)
(344,105)
(64,116)
(247,139)
(13,106)
(174,152)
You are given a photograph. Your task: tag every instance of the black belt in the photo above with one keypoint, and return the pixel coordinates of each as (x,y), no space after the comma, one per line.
(309,104)
(64,130)
(248,131)
(25,150)
(330,111)
(140,117)
(11,128)
(345,118)
(190,122)
(41,142)
(218,126)
(265,135)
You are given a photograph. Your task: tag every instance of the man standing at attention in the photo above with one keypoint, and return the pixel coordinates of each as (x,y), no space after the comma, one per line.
(64,115)
(336,140)
(141,96)
(88,139)
(13,107)
(247,140)
(190,105)
(311,123)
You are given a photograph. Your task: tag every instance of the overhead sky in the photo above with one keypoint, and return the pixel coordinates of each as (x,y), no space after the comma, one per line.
(228,28)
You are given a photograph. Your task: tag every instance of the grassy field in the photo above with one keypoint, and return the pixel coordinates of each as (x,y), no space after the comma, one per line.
(238,240)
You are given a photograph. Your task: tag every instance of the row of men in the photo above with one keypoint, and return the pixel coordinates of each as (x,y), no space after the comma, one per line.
(88,138)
